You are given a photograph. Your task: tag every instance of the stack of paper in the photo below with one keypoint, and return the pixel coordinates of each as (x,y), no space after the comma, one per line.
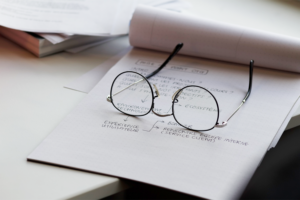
(58,21)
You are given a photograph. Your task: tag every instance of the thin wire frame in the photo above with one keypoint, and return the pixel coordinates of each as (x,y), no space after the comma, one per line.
(174,101)
(175,51)
(111,94)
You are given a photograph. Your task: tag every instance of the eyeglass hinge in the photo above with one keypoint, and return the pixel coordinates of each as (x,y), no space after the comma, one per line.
(221,125)
(108,98)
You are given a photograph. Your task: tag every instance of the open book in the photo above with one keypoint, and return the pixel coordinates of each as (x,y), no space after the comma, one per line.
(216,164)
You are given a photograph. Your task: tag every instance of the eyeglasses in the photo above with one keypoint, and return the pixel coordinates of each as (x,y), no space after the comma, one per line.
(193,107)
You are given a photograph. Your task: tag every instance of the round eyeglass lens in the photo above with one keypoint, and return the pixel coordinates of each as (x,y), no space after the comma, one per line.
(195,108)
(131,93)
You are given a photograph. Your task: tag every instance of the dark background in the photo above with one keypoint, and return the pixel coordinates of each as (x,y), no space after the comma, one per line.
(278,176)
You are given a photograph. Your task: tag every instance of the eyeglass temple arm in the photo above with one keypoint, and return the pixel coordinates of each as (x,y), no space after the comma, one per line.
(250,80)
(175,51)
(245,98)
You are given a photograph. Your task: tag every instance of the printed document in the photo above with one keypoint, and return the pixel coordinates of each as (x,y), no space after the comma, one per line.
(216,164)
(83,17)
(88,17)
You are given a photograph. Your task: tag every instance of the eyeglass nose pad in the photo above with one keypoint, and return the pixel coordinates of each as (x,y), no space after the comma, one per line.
(156,90)
(174,95)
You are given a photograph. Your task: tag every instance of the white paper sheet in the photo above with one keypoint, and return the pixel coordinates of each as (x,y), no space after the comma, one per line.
(216,164)
(179,6)
(160,30)
(126,8)
(55,38)
(89,80)
(122,19)
(59,16)
(90,45)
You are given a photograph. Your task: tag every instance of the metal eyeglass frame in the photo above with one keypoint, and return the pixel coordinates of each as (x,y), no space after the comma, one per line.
(177,93)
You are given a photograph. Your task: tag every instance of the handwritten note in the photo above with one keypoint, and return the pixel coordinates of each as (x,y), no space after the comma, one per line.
(216,164)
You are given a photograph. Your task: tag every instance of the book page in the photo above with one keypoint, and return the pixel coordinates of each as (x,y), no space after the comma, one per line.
(216,164)
(159,29)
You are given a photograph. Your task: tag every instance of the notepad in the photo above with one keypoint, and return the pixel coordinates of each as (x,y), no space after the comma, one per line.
(216,164)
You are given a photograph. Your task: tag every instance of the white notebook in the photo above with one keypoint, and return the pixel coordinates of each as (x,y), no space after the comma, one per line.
(216,164)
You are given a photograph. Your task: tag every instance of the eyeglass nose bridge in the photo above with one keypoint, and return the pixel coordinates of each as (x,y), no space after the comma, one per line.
(157,93)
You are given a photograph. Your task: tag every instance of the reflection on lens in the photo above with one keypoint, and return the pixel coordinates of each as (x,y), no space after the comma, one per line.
(131,94)
(195,108)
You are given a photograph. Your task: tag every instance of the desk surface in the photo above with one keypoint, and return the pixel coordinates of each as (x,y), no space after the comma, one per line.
(33,101)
